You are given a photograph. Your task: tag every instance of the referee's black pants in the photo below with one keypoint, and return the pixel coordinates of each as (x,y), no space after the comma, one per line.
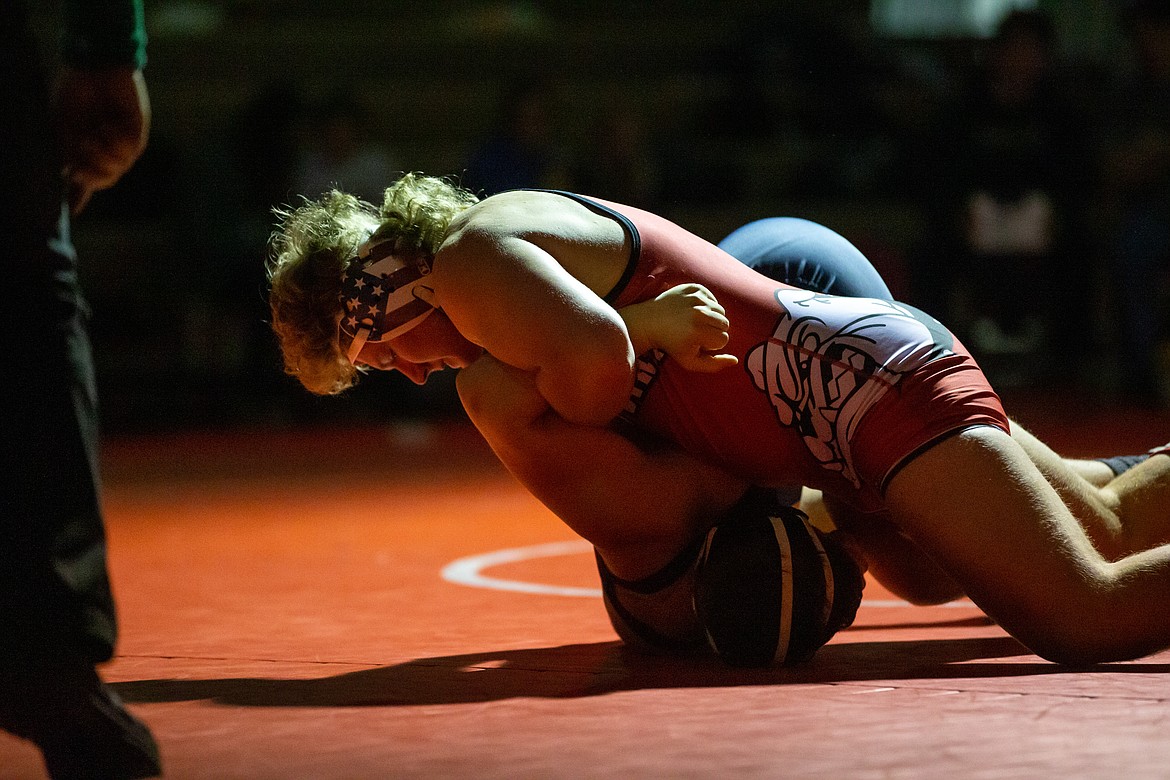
(55,600)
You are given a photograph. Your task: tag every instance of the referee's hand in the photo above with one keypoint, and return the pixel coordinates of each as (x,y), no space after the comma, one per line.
(104,118)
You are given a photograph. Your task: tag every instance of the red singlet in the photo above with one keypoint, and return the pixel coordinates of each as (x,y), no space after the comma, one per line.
(833,393)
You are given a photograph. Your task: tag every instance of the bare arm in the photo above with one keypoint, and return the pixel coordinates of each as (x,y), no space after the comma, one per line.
(512,297)
(639,507)
(687,323)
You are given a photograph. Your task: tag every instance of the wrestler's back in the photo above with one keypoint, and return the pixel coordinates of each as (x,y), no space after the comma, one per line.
(812,366)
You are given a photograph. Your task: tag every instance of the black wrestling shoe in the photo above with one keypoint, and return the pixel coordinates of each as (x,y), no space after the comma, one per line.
(80,725)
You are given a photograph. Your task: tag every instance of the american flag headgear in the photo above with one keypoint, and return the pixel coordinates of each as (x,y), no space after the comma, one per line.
(382,295)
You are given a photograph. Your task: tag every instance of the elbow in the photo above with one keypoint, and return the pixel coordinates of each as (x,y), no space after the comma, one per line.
(474,396)
(595,389)
(500,400)
(930,598)
(924,591)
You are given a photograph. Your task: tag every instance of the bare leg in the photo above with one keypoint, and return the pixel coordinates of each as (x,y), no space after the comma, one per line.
(979,505)
(893,560)
(1124,515)
(1094,472)
(1087,502)
(1142,497)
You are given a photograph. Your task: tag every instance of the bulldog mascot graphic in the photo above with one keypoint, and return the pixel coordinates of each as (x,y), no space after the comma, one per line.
(830,359)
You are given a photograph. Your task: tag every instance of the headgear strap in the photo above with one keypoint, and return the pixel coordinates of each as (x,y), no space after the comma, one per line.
(382,296)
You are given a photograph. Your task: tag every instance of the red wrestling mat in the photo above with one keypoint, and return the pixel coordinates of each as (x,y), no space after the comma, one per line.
(285,615)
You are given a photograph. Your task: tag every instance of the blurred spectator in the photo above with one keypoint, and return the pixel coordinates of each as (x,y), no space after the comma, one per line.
(340,149)
(231,181)
(266,136)
(1137,182)
(523,150)
(1006,168)
(619,162)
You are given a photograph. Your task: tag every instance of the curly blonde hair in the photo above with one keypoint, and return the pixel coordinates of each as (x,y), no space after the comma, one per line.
(309,250)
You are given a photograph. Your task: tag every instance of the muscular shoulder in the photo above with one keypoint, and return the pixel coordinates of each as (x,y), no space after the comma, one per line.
(534,216)
(591,246)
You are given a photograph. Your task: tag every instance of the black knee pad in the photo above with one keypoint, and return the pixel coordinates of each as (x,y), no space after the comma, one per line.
(770,587)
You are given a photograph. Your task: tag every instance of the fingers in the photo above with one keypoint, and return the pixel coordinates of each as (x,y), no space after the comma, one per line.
(712,335)
(695,292)
(711,363)
(698,298)
(103,155)
(707,356)
(708,362)
(699,348)
(712,318)
(79,196)
(104,117)
(97,164)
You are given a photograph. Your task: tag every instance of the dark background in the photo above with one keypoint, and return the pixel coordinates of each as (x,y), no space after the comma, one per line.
(711,113)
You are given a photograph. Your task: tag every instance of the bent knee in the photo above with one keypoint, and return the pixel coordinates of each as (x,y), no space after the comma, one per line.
(1110,622)
(1081,651)
(1139,522)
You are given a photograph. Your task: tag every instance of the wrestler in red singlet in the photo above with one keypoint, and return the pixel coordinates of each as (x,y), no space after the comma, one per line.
(833,393)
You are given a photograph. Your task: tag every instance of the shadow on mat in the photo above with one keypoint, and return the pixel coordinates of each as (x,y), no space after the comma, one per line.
(602,668)
(967,622)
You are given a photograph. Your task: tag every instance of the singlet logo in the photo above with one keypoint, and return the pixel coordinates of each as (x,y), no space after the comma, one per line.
(830,359)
